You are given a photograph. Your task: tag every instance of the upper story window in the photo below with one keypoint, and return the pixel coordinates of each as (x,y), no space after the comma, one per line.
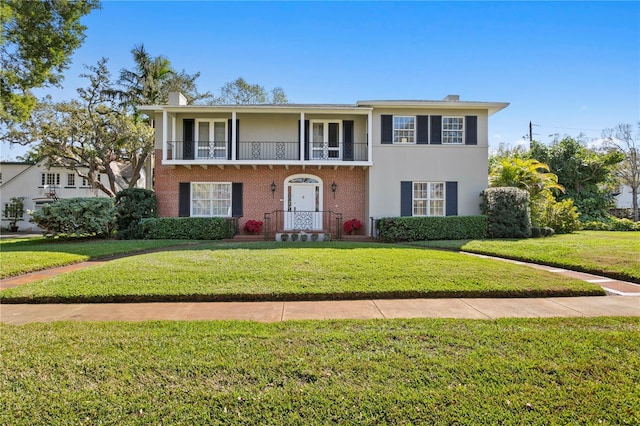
(211,139)
(453,130)
(50,179)
(210,199)
(71,179)
(404,129)
(428,198)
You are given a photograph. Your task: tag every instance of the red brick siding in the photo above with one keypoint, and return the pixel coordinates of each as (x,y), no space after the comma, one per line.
(257,197)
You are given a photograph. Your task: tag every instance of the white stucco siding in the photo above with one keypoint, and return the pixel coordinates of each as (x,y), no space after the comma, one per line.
(392,164)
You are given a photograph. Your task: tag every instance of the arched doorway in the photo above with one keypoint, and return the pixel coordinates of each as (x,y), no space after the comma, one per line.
(303,202)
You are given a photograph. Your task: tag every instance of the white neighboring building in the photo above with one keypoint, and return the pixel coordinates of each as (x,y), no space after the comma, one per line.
(41,185)
(624,199)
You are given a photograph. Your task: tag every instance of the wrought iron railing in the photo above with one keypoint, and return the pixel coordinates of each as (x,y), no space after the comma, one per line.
(302,221)
(264,151)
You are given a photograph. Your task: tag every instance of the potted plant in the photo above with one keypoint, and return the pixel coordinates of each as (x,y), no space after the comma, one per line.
(352,226)
(253,226)
(14,211)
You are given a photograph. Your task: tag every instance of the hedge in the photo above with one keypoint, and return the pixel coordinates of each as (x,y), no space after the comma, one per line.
(187,228)
(395,229)
(77,217)
(507,211)
(133,205)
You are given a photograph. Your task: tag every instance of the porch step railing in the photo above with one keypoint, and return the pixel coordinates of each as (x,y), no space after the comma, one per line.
(302,221)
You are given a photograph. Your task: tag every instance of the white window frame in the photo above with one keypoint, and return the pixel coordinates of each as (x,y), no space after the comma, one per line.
(322,152)
(214,151)
(71,180)
(429,199)
(449,130)
(46,177)
(211,199)
(410,137)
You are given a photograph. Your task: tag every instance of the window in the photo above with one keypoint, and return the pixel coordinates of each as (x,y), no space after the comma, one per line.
(71,179)
(85,182)
(404,129)
(453,130)
(428,198)
(51,179)
(210,199)
(325,140)
(211,139)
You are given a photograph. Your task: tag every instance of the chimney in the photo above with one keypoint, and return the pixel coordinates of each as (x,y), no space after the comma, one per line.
(177,98)
(452,98)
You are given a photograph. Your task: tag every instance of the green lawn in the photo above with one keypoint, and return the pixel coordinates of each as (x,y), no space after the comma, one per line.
(20,255)
(613,254)
(512,371)
(303,271)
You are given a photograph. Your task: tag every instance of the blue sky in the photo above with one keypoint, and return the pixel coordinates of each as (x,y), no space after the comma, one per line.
(569,67)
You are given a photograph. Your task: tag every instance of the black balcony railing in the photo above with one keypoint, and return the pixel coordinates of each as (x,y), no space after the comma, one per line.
(265,151)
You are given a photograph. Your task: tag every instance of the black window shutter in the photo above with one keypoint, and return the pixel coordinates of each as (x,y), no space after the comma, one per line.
(451,192)
(406,198)
(471,130)
(306,138)
(184,199)
(436,129)
(422,122)
(386,132)
(188,127)
(347,147)
(236,199)
(229,142)
(237,138)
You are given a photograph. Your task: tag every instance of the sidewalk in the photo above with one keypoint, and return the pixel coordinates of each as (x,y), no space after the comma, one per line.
(350,309)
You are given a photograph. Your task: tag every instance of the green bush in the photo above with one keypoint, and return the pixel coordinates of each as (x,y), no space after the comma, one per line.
(187,228)
(432,228)
(507,211)
(562,216)
(612,224)
(133,205)
(77,217)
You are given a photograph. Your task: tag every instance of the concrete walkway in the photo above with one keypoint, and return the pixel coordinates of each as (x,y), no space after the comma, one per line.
(468,308)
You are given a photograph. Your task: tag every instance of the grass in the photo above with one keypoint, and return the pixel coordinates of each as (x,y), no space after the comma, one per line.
(304,271)
(22,255)
(612,254)
(511,371)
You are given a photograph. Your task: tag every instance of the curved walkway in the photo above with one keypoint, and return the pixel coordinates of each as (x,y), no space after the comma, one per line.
(467,308)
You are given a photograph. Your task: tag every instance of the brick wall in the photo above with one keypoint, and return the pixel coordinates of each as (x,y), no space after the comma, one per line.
(349,198)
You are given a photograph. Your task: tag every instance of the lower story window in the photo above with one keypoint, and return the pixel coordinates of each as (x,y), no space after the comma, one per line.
(210,199)
(428,198)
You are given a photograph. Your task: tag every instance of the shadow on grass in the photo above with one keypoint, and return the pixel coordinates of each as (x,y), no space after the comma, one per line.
(294,297)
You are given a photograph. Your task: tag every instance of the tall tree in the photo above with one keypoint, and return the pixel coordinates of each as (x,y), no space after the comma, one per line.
(38,38)
(240,91)
(92,135)
(586,175)
(621,139)
(151,79)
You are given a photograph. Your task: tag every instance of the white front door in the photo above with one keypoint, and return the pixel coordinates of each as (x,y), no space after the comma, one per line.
(303,204)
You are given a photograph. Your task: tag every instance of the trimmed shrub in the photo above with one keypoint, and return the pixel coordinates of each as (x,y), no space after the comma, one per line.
(432,228)
(77,217)
(507,211)
(133,205)
(612,224)
(536,232)
(187,228)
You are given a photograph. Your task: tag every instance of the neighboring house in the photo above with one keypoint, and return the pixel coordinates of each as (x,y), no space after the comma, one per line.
(624,198)
(304,166)
(40,185)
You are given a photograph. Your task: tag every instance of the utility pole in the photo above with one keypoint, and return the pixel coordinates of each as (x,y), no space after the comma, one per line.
(530,134)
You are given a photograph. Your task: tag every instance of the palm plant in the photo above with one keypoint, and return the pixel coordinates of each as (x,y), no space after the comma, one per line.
(528,174)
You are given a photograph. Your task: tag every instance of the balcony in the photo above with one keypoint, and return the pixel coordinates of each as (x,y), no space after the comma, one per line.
(264,152)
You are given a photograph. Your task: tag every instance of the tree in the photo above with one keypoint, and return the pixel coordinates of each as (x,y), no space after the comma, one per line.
(151,79)
(38,38)
(91,135)
(586,175)
(621,139)
(241,92)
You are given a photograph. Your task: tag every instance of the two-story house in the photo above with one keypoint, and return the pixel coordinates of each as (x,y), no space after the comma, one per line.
(304,166)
